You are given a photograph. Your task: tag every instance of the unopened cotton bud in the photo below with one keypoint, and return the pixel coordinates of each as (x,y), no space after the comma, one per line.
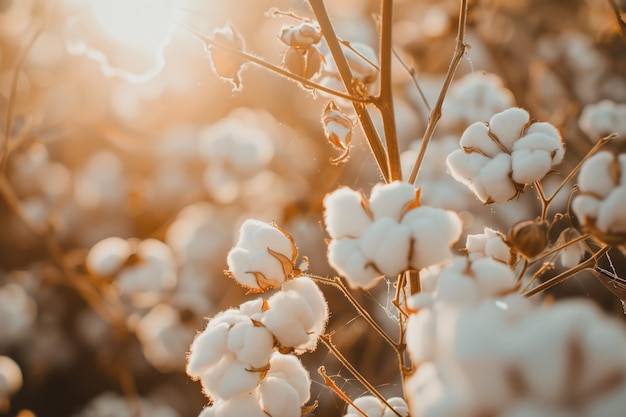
(263,258)
(338,130)
(305,62)
(529,237)
(304,35)
(225,64)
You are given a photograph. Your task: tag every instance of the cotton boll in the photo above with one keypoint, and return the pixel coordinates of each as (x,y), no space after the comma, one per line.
(263,256)
(490,243)
(421,336)
(344,214)
(278,398)
(476,136)
(387,244)
(346,257)
(207,349)
(507,125)
(245,404)
(107,256)
(493,278)
(389,200)
(314,298)
(603,118)
(251,343)
(465,166)
(432,397)
(399,405)
(229,378)
(595,175)
(289,368)
(494,183)
(10,378)
(528,165)
(611,215)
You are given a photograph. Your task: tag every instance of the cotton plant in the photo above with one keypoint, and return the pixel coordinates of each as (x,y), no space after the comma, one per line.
(498,159)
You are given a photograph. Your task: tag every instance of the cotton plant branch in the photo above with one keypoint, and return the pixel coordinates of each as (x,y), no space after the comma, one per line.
(384,101)
(345,362)
(433,119)
(248,57)
(569,273)
(366,122)
(333,386)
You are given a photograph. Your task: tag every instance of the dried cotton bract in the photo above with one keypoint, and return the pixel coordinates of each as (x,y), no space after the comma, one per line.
(338,130)
(600,205)
(387,234)
(225,64)
(499,158)
(263,257)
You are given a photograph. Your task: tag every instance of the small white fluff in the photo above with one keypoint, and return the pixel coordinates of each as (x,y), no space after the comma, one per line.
(344,214)
(488,244)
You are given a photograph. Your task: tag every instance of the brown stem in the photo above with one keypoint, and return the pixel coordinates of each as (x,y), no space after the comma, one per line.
(333,349)
(567,274)
(459,51)
(384,102)
(268,66)
(367,124)
(331,384)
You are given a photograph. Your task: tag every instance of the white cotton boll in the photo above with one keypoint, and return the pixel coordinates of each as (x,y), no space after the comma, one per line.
(344,215)
(108,255)
(494,182)
(389,200)
(10,378)
(507,125)
(493,278)
(153,273)
(289,368)
(421,336)
(279,399)
(347,258)
(252,309)
(612,216)
(602,118)
(18,312)
(164,337)
(465,166)
(554,144)
(476,136)
(251,343)
(608,405)
(595,175)
(228,378)
(387,244)
(489,243)
(434,232)
(586,207)
(454,288)
(314,298)
(290,319)
(207,349)
(250,262)
(369,404)
(432,397)
(399,405)
(530,165)
(246,404)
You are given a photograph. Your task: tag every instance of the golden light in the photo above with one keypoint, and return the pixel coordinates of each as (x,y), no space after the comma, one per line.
(143,24)
(126,37)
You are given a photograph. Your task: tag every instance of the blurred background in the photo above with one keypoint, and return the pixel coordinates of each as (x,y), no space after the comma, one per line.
(128,165)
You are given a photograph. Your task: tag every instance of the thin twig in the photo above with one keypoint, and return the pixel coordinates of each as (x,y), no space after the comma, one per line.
(331,384)
(268,66)
(567,274)
(459,51)
(345,362)
(367,124)
(337,283)
(384,103)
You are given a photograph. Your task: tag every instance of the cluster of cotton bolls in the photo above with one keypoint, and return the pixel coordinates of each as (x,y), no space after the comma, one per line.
(497,159)
(386,234)
(243,356)
(480,348)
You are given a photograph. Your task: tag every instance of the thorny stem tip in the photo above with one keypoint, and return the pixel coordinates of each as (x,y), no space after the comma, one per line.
(333,349)
(366,122)
(433,119)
